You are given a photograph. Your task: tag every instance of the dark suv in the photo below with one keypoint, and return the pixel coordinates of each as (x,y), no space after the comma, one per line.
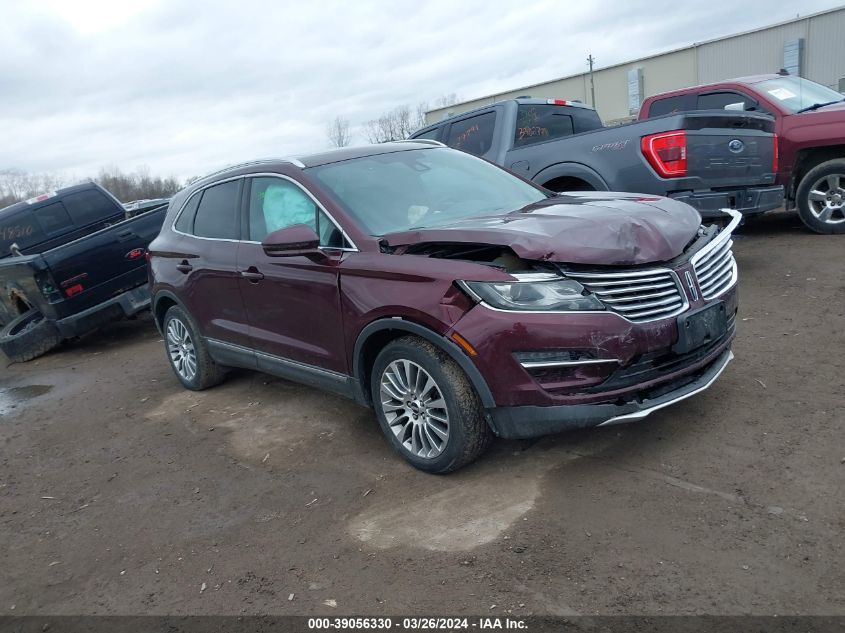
(456,299)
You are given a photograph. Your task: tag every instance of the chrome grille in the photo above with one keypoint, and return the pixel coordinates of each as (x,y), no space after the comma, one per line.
(715,268)
(646,295)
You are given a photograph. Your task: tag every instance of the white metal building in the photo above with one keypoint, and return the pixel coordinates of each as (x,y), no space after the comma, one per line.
(812,46)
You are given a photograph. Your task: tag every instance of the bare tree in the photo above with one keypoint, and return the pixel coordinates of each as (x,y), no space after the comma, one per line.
(16,185)
(137,185)
(446,100)
(400,122)
(394,125)
(338,132)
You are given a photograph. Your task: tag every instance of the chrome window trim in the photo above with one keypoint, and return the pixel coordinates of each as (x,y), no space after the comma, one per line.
(317,204)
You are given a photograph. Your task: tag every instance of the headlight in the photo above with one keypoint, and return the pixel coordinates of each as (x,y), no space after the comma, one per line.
(556,294)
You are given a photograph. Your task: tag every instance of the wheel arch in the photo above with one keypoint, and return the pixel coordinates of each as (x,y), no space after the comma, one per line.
(161,303)
(808,159)
(573,171)
(373,338)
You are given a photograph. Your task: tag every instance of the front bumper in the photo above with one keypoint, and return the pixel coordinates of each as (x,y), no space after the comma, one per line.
(533,421)
(748,201)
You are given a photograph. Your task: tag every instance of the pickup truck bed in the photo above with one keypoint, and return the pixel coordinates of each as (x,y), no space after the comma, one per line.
(76,286)
(710,160)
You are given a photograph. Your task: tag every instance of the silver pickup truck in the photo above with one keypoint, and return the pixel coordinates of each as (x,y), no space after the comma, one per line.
(710,159)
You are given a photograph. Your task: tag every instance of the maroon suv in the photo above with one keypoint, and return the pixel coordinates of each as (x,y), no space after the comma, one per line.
(456,299)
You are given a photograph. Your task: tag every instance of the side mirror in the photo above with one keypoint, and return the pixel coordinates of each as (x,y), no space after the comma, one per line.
(290,241)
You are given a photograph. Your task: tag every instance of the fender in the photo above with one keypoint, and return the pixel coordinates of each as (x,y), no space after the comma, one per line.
(156,299)
(432,337)
(573,170)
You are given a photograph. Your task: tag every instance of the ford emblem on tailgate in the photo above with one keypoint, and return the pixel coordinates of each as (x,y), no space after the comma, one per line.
(736,146)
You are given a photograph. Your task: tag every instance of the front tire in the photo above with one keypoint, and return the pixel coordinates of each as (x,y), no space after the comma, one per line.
(188,353)
(426,406)
(821,197)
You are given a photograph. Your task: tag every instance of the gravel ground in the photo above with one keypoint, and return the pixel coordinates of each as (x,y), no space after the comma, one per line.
(121,493)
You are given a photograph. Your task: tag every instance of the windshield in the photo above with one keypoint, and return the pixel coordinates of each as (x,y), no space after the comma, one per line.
(422,188)
(795,93)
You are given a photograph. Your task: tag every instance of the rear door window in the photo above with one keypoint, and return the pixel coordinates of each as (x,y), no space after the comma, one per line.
(671,105)
(53,218)
(724,101)
(88,207)
(473,135)
(217,212)
(538,123)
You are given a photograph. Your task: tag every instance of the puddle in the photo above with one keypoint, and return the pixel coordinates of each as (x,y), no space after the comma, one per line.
(11,399)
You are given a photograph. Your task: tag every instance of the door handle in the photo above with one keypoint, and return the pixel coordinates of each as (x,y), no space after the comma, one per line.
(184,267)
(252,275)
(125,236)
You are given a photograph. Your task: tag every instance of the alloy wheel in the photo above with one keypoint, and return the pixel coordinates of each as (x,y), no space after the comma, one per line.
(180,346)
(415,409)
(827,199)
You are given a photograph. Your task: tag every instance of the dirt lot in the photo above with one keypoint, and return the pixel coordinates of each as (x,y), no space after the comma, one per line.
(122,493)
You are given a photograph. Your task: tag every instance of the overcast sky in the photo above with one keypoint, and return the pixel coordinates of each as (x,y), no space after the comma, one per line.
(186,87)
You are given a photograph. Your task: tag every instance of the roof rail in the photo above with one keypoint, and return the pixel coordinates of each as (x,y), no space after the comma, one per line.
(261,161)
(426,141)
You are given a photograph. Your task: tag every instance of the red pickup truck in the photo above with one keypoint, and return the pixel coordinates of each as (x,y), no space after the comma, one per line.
(810,124)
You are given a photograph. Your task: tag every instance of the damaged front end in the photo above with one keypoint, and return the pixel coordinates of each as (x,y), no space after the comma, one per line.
(566,345)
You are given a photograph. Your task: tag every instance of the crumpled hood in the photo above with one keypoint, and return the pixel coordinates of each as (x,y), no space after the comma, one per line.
(601,228)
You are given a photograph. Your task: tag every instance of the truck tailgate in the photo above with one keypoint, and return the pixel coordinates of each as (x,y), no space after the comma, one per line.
(730,150)
(99,266)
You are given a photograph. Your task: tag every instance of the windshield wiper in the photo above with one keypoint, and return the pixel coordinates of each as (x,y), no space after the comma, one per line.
(816,106)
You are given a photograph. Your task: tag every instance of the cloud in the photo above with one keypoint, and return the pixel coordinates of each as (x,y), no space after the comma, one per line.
(185,88)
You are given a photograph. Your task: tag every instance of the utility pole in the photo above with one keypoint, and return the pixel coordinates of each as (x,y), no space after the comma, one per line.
(590,61)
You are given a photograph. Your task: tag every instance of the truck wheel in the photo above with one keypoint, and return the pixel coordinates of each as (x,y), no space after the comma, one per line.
(28,336)
(821,197)
(427,407)
(188,352)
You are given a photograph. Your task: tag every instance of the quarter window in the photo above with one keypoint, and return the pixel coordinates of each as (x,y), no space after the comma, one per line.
(473,135)
(433,134)
(216,212)
(185,223)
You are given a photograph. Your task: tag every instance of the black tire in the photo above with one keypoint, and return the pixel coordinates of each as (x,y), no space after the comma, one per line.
(468,434)
(207,373)
(29,336)
(835,224)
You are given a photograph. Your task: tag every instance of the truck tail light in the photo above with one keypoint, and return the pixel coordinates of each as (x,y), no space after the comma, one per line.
(667,153)
(775,153)
(73,286)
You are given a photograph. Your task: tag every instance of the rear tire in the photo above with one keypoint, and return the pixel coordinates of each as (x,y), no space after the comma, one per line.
(820,197)
(29,336)
(188,353)
(426,406)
